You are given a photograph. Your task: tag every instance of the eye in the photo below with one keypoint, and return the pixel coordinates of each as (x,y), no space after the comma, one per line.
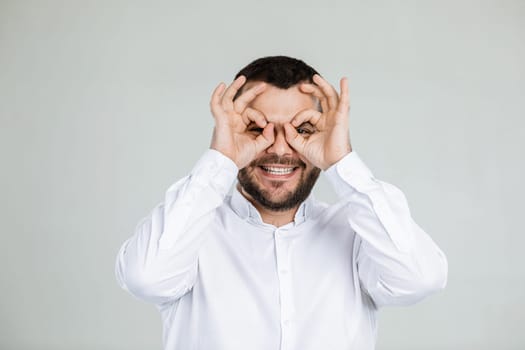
(305,129)
(255,129)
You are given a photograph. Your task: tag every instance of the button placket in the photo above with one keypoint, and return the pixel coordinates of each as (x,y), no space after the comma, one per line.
(283,249)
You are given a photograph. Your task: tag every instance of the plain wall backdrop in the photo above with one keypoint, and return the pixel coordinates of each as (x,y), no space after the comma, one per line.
(104,104)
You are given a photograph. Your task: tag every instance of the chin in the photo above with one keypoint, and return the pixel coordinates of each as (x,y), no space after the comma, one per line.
(278,192)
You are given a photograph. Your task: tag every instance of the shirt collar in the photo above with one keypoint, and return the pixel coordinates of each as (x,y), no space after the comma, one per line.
(245,210)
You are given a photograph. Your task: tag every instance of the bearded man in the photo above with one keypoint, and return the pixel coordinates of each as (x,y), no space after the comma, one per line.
(267,266)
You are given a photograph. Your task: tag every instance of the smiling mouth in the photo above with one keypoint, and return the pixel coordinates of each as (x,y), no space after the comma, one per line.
(278,170)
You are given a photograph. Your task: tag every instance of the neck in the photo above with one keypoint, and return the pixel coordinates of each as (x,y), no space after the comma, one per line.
(272,217)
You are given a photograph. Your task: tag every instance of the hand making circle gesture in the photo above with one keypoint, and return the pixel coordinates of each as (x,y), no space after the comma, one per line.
(331,140)
(232,119)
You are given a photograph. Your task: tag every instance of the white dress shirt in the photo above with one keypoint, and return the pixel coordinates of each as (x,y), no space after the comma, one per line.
(224,280)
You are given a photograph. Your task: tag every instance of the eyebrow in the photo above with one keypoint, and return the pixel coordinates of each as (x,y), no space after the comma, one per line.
(306,123)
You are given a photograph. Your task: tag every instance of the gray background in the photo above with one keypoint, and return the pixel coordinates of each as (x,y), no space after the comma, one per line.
(104,104)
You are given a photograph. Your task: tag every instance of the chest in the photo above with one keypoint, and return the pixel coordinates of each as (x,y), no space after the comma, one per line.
(264,268)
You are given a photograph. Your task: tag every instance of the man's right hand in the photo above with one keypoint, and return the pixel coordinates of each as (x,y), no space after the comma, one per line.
(237,133)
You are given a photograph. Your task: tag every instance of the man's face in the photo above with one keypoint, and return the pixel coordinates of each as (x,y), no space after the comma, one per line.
(278,178)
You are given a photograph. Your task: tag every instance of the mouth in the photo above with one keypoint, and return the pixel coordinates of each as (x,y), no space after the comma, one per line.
(283,172)
(278,170)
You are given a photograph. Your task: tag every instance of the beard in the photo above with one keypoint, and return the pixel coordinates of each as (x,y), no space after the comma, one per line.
(289,200)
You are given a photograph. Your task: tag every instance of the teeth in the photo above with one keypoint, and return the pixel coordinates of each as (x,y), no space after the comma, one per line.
(277,171)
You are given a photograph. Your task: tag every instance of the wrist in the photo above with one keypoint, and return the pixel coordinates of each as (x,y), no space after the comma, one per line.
(340,155)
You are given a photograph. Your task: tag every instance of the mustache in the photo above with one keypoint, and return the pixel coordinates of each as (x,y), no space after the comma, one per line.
(275,159)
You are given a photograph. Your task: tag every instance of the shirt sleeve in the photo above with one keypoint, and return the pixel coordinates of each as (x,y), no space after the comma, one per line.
(397,262)
(159,262)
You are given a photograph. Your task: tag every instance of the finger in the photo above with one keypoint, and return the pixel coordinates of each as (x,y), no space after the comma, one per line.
(216,98)
(308,115)
(252,115)
(248,96)
(265,139)
(344,101)
(316,92)
(328,90)
(229,94)
(294,139)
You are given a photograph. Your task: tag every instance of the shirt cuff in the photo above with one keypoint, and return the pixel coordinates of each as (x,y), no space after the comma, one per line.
(216,170)
(213,169)
(351,174)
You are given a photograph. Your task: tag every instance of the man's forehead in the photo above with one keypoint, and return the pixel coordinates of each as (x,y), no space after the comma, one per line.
(274,100)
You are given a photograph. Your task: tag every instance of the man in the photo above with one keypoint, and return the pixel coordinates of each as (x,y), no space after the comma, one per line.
(269,267)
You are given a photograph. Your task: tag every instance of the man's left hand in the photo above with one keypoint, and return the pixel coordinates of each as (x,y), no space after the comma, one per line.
(331,140)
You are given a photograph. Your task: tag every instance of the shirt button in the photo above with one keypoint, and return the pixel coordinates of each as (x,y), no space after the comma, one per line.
(287,323)
(283,271)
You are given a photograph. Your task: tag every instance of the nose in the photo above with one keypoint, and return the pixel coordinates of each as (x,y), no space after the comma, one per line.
(280,146)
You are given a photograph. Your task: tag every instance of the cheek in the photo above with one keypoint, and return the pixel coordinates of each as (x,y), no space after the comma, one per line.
(309,166)
(252,172)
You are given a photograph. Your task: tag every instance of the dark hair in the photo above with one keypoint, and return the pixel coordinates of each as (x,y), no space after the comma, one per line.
(280,71)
